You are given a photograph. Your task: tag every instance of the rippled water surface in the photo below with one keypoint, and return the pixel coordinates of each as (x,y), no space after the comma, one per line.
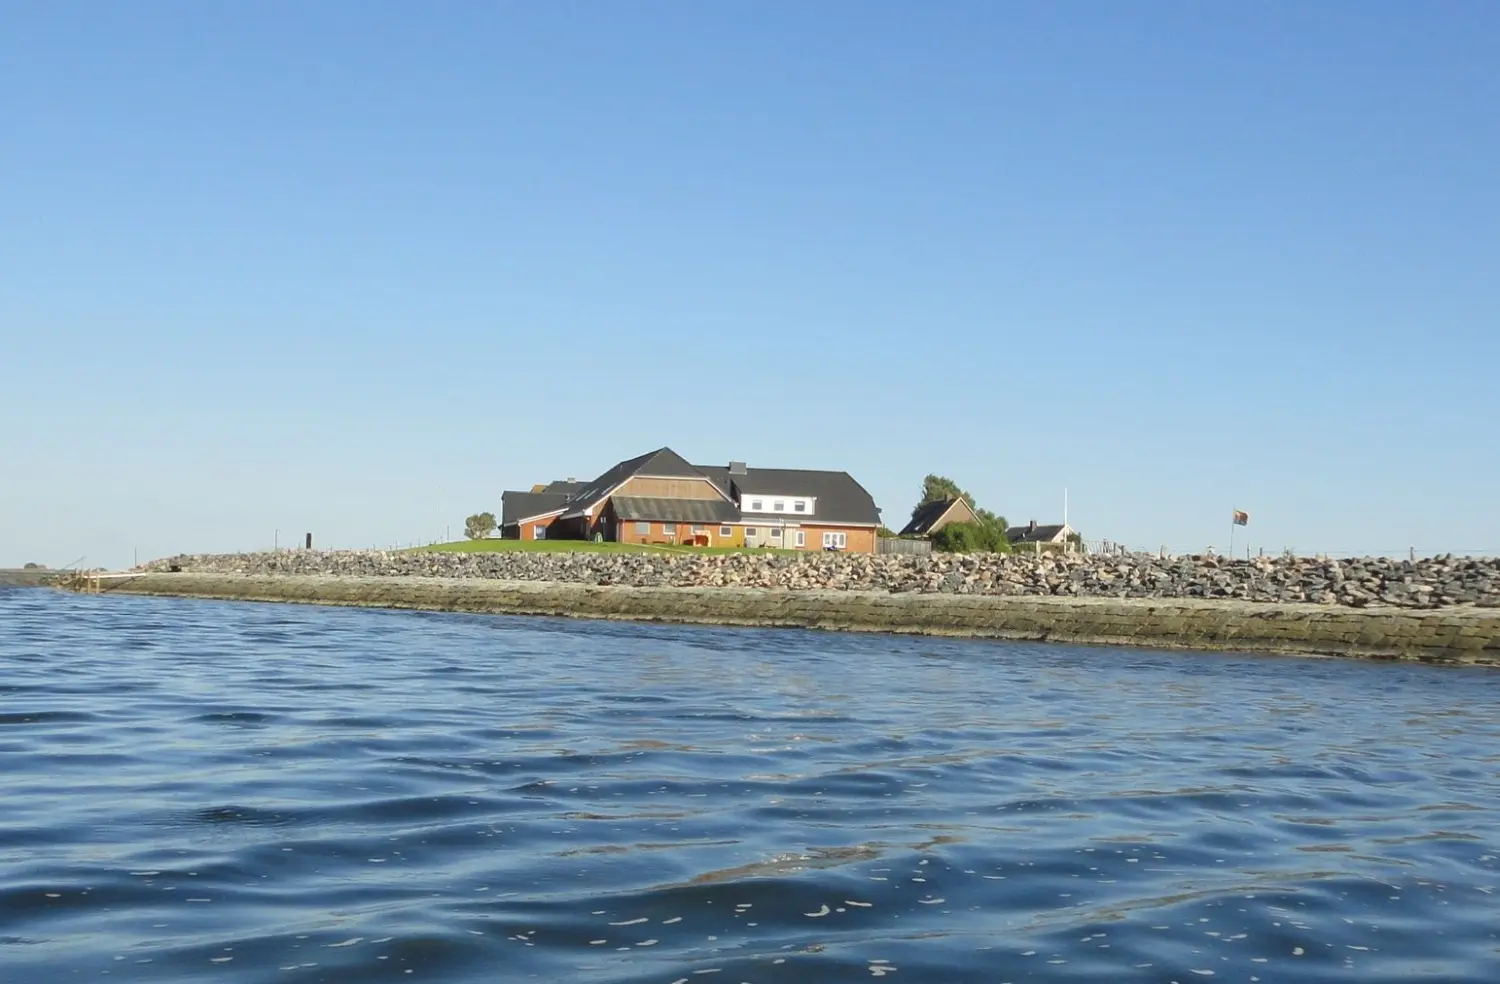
(200,791)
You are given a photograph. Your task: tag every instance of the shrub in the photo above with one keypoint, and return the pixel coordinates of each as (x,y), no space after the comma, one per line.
(986,537)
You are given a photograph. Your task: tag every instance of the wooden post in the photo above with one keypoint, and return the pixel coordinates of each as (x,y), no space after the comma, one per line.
(309,541)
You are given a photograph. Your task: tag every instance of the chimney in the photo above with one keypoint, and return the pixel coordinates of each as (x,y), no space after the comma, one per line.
(1031,526)
(737,468)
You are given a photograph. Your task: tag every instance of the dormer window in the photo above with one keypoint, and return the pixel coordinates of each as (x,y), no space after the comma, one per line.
(800,506)
(756,505)
(780,506)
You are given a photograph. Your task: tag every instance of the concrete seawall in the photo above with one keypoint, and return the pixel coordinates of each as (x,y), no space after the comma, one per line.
(1451,635)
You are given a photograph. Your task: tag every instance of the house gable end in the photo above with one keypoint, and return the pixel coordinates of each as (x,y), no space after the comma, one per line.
(933,516)
(661,463)
(663,487)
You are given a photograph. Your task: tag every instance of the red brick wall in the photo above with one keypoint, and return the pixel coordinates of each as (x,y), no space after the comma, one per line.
(528,529)
(861,539)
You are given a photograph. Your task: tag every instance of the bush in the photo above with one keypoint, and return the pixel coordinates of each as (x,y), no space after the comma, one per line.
(987,537)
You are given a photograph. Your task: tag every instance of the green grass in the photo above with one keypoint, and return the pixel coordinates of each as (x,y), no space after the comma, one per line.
(581,546)
(530,546)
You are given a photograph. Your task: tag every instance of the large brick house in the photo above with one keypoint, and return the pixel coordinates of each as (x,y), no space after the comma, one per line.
(660,498)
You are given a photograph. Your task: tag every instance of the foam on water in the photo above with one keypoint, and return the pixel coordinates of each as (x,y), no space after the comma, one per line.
(196,791)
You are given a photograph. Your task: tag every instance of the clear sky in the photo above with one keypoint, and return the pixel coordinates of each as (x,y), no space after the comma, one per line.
(357,267)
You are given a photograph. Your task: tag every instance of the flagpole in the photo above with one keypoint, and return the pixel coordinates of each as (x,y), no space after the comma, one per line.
(1232,517)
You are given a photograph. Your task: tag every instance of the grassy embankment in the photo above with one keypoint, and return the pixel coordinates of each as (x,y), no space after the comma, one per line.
(583,546)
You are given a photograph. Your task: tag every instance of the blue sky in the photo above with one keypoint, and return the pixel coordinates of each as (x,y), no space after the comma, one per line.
(356,267)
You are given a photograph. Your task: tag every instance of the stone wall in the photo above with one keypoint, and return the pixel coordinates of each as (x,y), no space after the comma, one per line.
(1452,635)
(1438,582)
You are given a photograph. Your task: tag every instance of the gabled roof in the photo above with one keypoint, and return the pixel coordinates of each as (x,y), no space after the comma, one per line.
(1037,534)
(840,498)
(644,508)
(661,463)
(562,488)
(927,516)
(518,506)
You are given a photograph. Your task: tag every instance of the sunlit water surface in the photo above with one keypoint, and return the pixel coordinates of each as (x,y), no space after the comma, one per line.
(199,791)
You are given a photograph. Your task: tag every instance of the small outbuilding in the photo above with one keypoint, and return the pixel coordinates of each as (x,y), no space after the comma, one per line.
(1058,537)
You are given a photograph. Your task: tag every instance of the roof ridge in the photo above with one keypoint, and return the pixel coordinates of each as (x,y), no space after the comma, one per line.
(810,471)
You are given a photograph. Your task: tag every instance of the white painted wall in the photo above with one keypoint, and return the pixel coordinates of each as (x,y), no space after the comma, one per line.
(768,506)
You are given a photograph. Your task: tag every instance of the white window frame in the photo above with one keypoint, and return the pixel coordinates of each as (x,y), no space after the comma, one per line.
(700,531)
(800,505)
(779,505)
(750,533)
(832,538)
(539,532)
(726,531)
(775,532)
(801,538)
(757,505)
(669,529)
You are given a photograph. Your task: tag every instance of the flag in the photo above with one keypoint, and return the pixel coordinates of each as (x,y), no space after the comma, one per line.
(1241,518)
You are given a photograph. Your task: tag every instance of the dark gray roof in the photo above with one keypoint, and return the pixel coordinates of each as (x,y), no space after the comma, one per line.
(661,463)
(1039,534)
(516,506)
(563,488)
(631,508)
(926,515)
(840,498)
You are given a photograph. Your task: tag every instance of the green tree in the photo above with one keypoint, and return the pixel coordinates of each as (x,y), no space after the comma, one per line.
(985,516)
(479,525)
(937,488)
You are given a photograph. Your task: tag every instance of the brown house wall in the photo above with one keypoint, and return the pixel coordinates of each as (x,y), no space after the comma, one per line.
(670,488)
(861,538)
(682,533)
(959,512)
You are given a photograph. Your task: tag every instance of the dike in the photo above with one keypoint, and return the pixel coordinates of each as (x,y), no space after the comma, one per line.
(1462,635)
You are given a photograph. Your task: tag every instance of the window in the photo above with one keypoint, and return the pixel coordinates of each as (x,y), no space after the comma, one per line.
(642,529)
(800,506)
(670,529)
(780,506)
(776,534)
(699,531)
(750,533)
(757,506)
(726,531)
(835,541)
(801,538)
(539,532)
